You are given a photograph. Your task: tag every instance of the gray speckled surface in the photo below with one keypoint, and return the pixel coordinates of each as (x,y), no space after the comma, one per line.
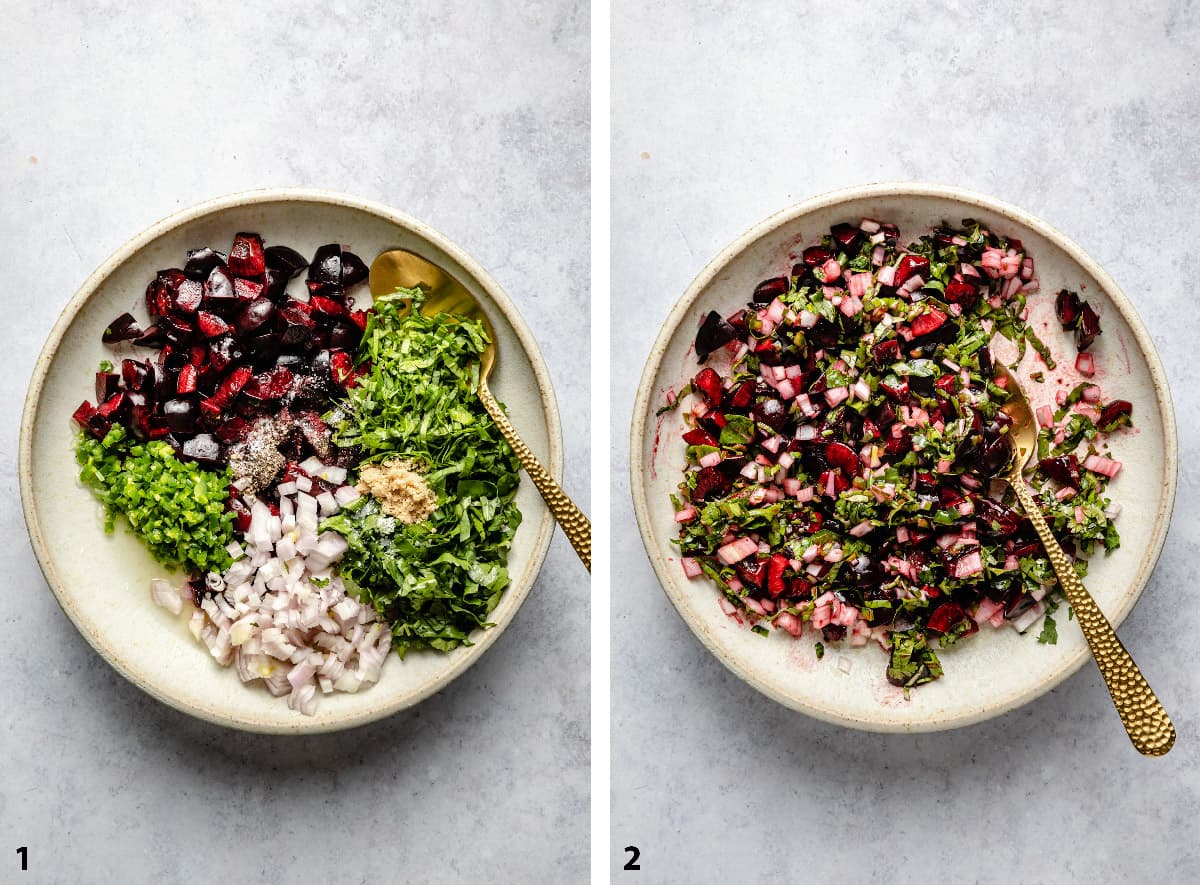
(1087,116)
(474,120)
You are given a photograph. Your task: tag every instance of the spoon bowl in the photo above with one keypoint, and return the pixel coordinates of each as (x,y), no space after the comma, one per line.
(402,269)
(1022,435)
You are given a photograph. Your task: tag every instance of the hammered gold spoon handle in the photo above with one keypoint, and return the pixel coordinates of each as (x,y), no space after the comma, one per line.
(575,525)
(1144,718)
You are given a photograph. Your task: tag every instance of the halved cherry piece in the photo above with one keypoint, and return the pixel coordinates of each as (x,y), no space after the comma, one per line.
(698,436)
(768,290)
(961,292)
(743,396)
(709,383)
(842,457)
(846,236)
(775,568)
(751,571)
(710,482)
(814,256)
(211,325)
(910,265)
(945,617)
(123,328)
(928,323)
(246,258)
(186,383)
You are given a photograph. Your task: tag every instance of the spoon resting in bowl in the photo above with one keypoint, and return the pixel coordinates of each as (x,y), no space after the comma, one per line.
(401,269)
(1144,718)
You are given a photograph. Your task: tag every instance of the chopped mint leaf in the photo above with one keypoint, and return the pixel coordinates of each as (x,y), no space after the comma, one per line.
(1049,634)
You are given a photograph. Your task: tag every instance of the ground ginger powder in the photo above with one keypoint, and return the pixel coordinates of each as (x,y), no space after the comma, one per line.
(400,490)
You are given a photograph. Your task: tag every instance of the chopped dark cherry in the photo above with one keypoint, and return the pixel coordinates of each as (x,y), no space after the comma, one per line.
(211,325)
(246,258)
(698,436)
(316,433)
(710,483)
(1064,469)
(752,571)
(326,266)
(296,325)
(842,457)
(189,296)
(742,397)
(186,382)
(326,307)
(1118,413)
(962,293)
(286,260)
(1067,307)
(181,414)
(928,323)
(123,328)
(152,337)
(909,266)
(708,382)
(201,263)
(847,236)
(275,286)
(341,366)
(163,290)
(247,290)
(946,617)
(768,290)
(269,385)
(254,316)
(224,350)
(345,335)
(715,332)
(1088,328)
(219,294)
(886,352)
(815,256)
(354,270)
(107,384)
(770,411)
(115,407)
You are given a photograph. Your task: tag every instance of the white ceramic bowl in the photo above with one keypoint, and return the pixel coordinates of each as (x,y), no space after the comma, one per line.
(996,670)
(102,580)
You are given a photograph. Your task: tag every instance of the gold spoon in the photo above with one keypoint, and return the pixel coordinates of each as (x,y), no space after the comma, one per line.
(1142,714)
(401,269)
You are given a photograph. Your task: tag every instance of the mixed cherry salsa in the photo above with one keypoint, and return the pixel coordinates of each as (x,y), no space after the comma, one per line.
(844,439)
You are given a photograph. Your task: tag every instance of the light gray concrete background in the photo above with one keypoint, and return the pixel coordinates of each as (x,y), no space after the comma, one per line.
(470,116)
(1088,116)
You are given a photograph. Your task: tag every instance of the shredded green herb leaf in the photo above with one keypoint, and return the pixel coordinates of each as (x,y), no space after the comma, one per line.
(438,580)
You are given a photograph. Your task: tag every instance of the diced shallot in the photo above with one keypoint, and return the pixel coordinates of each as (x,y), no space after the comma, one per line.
(167,596)
(737,550)
(968,564)
(1105,466)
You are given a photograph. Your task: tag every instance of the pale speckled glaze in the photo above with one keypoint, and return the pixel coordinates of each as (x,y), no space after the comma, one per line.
(101,580)
(993,672)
